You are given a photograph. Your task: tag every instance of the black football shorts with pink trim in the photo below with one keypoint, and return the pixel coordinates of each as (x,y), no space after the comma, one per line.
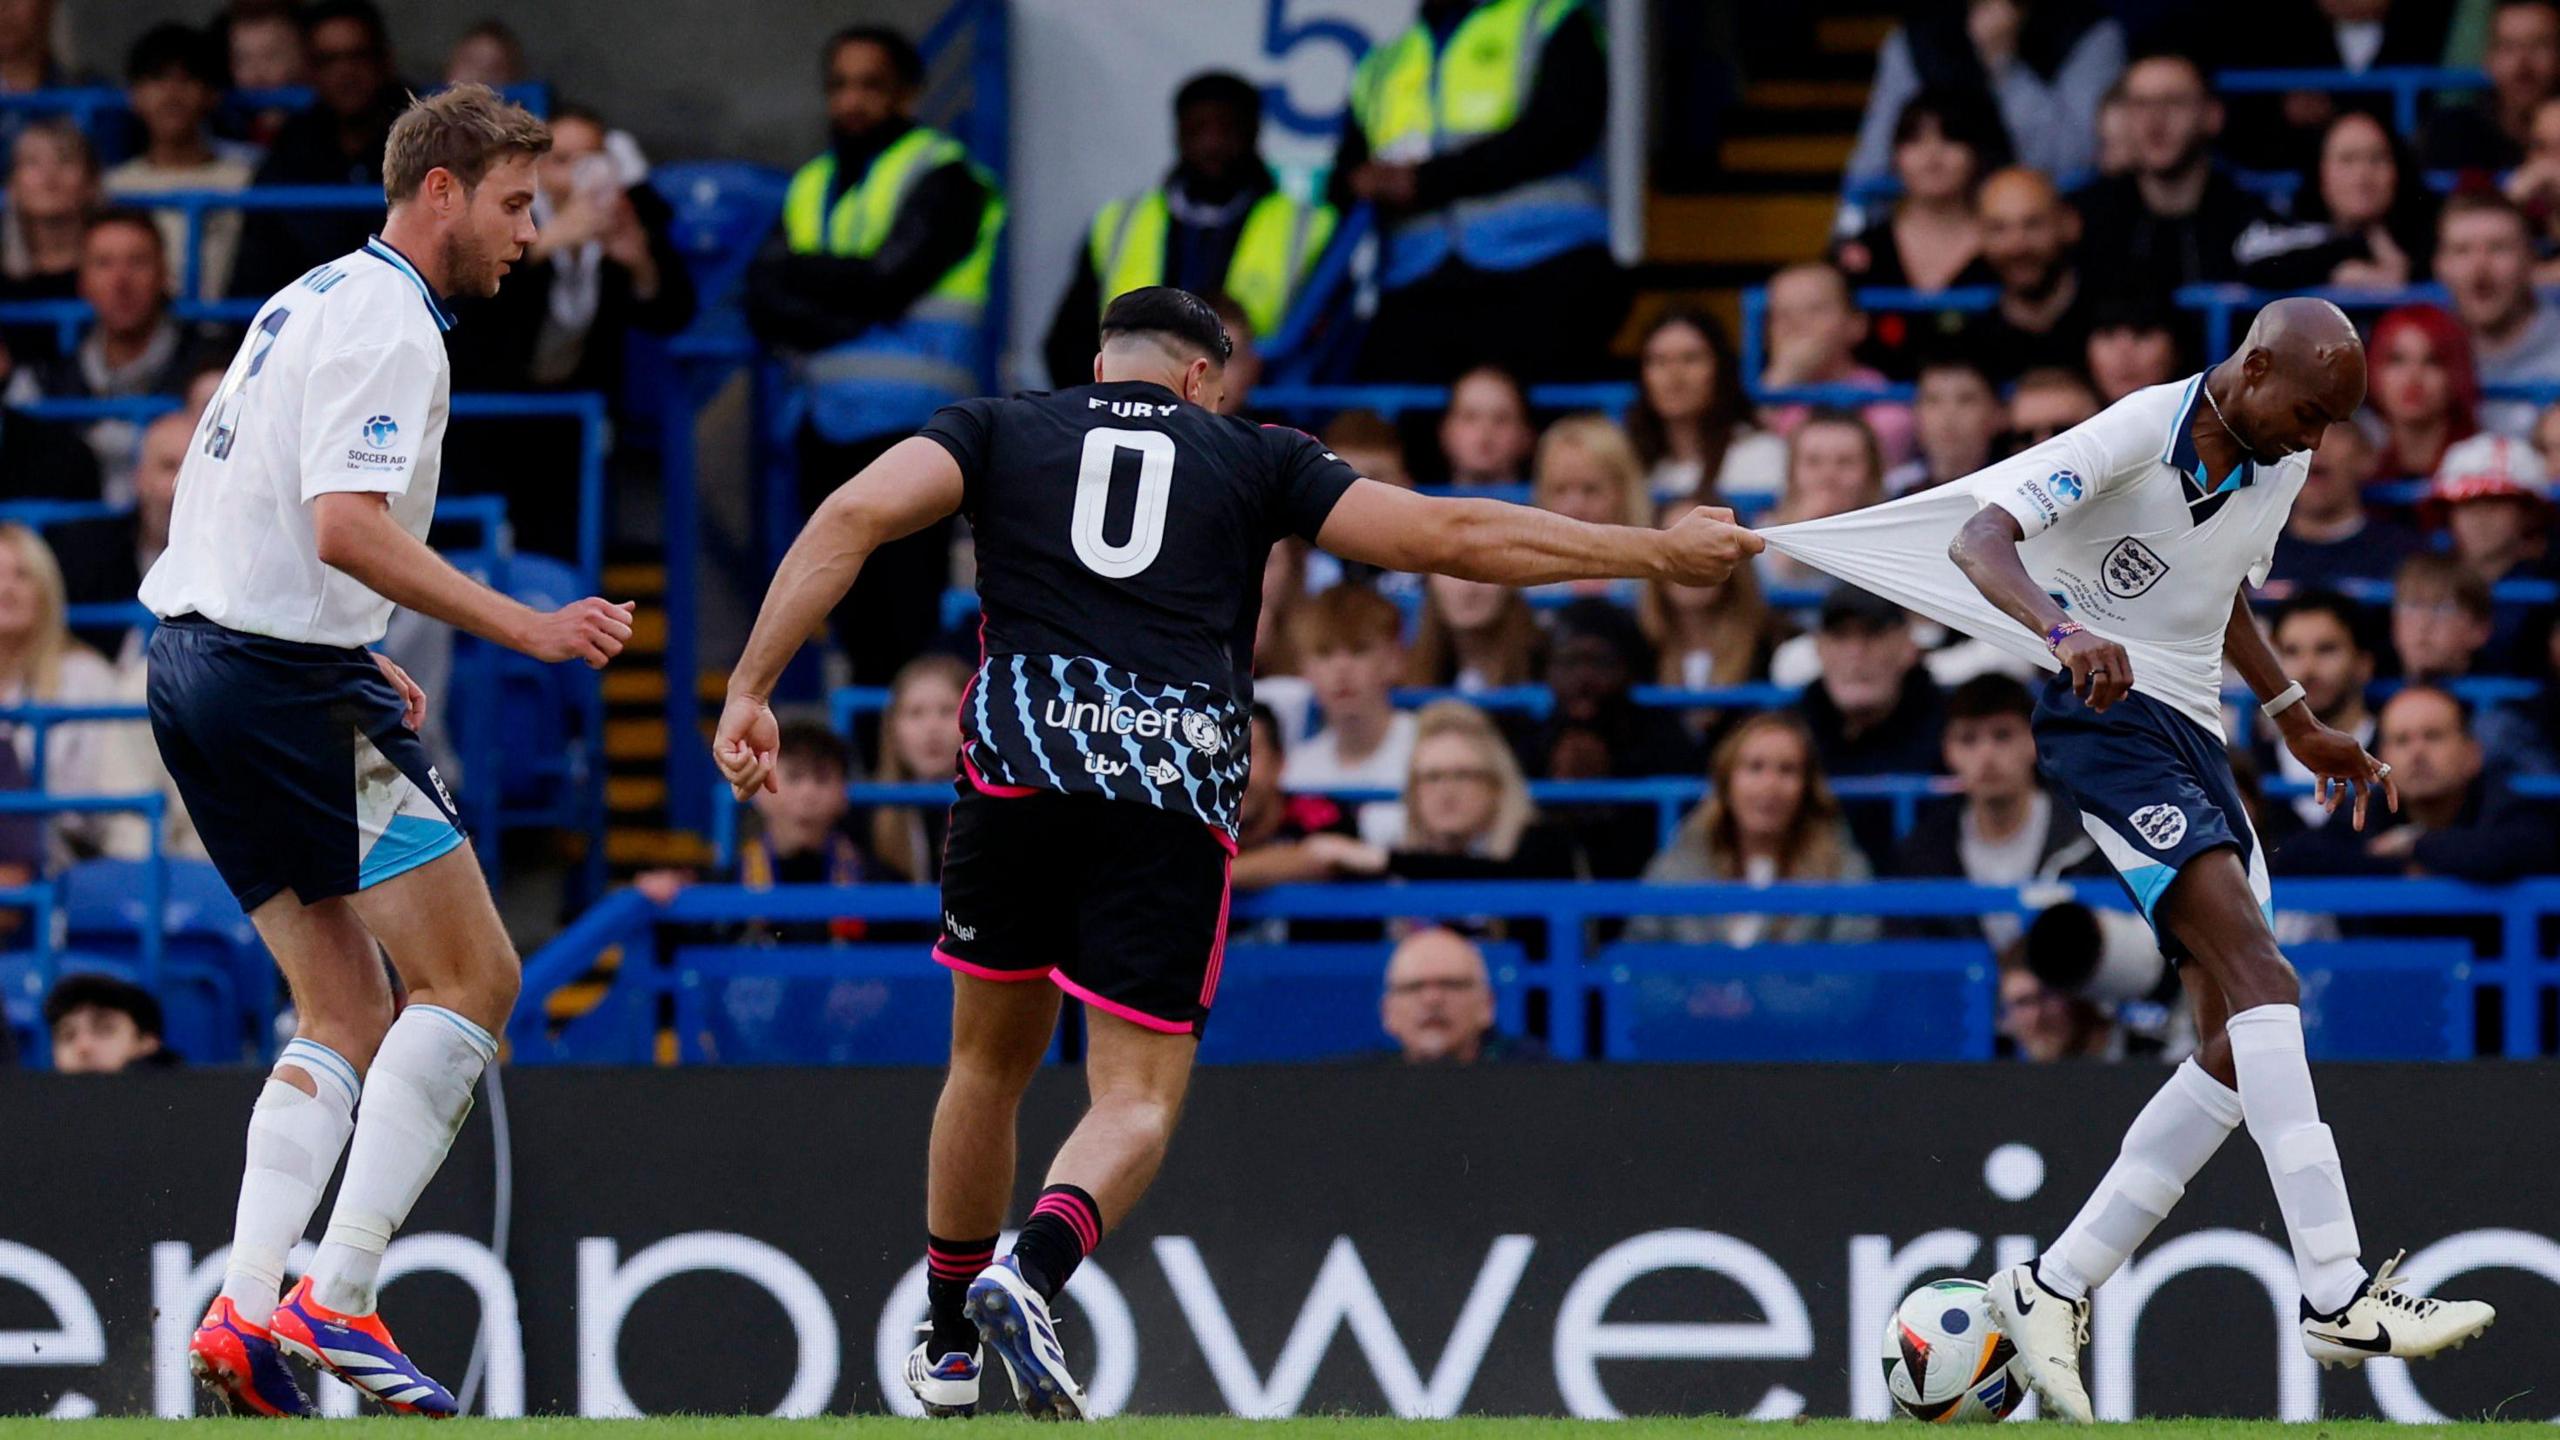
(1119,904)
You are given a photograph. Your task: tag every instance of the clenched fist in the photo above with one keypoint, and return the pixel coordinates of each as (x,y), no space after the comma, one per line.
(592,630)
(1704,545)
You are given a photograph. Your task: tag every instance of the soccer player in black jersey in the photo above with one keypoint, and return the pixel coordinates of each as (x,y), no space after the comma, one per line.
(1121,531)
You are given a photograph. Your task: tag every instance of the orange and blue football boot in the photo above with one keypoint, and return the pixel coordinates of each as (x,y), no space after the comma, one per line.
(240,1363)
(358,1350)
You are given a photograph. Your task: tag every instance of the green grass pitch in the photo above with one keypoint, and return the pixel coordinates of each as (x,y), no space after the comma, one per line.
(1216,1428)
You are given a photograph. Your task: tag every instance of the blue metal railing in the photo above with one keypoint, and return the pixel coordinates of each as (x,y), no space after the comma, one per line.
(585,407)
(2405,84)
(2518,971)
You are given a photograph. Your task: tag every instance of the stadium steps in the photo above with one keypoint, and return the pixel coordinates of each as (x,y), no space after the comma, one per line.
(637,836)
(1774,191)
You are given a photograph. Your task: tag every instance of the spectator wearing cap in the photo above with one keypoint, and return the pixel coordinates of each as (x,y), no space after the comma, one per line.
(2042,315)
(2523,61)
(102,1025)
(2320,636)
(2493,497)
(2331,535)
(2046,402)
(2484,256)
(2455,819)
(2177,218)
(1957,416)
(2131,346)
(338,141)
(134,349)
(1873,710)
(2046,66)
(1815,328)
(1218,224)
(2424,394)
(875,283)
(173,79)
(2362,216)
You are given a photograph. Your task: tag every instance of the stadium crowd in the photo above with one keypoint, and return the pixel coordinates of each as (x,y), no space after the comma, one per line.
(2066,166)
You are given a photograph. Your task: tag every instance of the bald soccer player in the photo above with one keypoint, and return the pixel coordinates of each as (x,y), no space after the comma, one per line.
(2115,554)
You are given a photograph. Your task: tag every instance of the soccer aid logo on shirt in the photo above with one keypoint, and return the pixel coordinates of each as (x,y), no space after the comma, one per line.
(2160,826)
(1200,732)
(376,453)
(2056,493)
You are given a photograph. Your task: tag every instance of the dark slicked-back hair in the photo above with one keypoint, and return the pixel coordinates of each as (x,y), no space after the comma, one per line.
(1168,314)
(169,46)
(904,58)
(1989,696)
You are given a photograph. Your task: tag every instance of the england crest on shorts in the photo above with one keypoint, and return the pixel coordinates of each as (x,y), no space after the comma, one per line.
(2132,568)
(2160,826)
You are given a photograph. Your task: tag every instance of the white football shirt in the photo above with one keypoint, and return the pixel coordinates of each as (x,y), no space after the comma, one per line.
(341,385)
(2122,525)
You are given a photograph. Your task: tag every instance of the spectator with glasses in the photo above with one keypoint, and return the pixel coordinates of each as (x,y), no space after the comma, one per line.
(2046,402)
(1438,1005)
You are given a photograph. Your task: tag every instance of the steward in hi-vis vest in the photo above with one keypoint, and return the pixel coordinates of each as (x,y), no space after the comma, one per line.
(875,283)
(1476,133)
(1219,224)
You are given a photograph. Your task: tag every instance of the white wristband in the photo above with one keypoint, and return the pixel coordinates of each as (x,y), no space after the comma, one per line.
(2285,700)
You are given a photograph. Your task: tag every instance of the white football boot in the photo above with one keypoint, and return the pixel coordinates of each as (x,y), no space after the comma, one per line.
(2048,1331)
(2383,1319)
(1015,1323)
(946,1386)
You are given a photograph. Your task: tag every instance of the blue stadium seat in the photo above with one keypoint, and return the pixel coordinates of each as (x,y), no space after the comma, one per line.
(855,1004)
(1897,1000)
(22,1004)
(2385,999)
(1298,1002)
(541,742)
(723,210)
(210,956)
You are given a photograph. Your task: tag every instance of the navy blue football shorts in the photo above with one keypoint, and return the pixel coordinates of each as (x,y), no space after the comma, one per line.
(294,762)
(2154,790)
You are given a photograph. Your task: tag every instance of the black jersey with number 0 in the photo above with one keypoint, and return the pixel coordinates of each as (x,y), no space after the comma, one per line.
(1121,536)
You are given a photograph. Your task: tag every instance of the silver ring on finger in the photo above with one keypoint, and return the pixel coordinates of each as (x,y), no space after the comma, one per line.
(2381,771)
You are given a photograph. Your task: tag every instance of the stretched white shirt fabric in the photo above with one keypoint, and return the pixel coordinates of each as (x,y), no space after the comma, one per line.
(2122,526)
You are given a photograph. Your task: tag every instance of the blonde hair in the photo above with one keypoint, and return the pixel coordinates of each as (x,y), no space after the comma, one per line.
(464,131)
(1812,848)
(40,664)
(897,831)
(1512,810)
(1432,659)
(1604,444)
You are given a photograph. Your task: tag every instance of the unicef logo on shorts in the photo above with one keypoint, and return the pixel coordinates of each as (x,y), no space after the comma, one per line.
(2160,826)
(1200,731)
(380,431)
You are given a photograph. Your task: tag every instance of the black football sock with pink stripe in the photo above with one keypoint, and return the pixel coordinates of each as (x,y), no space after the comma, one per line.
(949,1266)
(1064,1227)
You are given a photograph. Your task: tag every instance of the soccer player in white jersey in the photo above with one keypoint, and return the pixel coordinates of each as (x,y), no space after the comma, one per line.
(300,522)
(2116,553)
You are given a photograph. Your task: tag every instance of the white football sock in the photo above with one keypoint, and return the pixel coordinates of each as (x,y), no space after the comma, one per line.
(295,1140)
(2167,1144)
(415,1100)
(2302,1158)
